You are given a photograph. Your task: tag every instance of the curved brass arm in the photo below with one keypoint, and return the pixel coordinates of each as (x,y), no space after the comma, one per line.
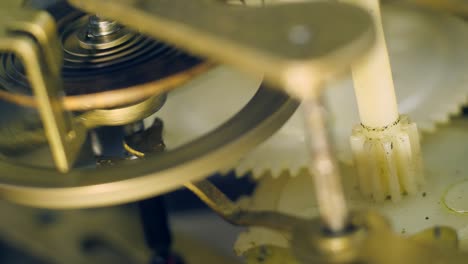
(369,239)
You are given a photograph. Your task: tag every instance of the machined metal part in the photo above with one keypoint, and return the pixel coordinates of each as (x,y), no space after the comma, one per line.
(268,254)
(106,66)
(372,241)
(311,43)
(324,168)
(146,141)
(134,180)
(367,239)
(223,206)
(442,201)
(20,135)
(303,56)
(91,64)
(123,115)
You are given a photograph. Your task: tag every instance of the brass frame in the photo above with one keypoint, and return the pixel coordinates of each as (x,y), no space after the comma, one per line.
(31,35)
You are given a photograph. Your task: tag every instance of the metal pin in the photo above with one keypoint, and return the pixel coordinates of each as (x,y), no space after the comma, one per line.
(328,187)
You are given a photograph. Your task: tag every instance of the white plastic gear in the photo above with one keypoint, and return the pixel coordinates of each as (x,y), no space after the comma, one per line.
(429,62)
(442,201)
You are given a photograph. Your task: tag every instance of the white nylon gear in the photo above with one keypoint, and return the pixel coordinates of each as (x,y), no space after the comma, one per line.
(440,202)
(429,62)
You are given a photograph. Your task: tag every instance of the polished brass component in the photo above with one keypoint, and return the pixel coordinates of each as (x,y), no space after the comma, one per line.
(117,98)
(99,26)
(156,174)
(232,213)
(102,34)
(41,58)
(121,116)
(87,121)
(133,151)
(133,65)
(213,197)
(311,42)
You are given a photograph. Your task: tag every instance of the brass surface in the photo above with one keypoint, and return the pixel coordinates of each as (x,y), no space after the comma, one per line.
(31,139)
(311,42)
(223,206)
(121,116)
(438,236)
(31,36)
(134,180)
(368,238)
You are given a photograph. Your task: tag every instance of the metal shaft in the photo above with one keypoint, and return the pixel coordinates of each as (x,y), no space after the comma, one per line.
(328,187)
(98,26)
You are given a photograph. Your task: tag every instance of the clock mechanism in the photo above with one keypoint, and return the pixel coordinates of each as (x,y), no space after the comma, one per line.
(149,131)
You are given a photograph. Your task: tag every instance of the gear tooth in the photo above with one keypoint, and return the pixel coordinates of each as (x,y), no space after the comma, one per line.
(242,169)
(374,177)
(422,100)
(388,162)
(258,172)
(276,170)
(272,170)
(407,177)
(295,170)
(241,172)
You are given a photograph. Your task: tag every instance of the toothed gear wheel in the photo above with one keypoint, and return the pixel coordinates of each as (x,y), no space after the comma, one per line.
(429,62)
(442,200)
